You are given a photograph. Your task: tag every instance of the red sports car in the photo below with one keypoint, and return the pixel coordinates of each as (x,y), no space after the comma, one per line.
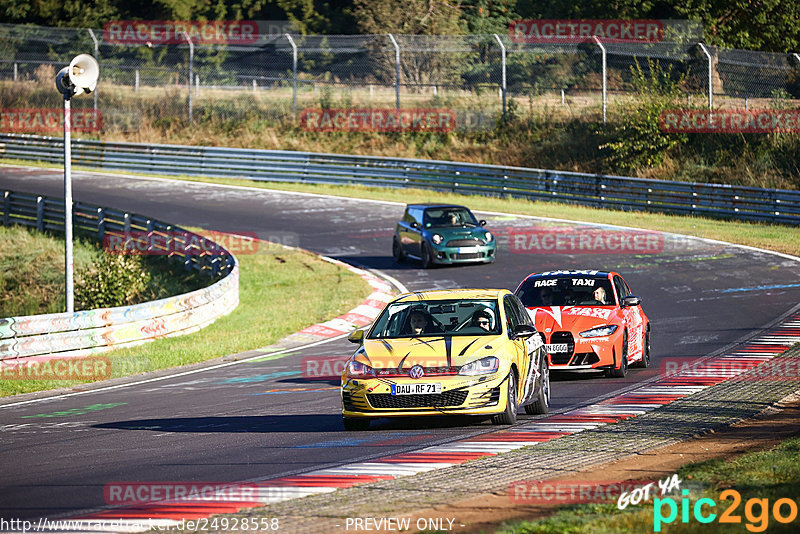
(588,319)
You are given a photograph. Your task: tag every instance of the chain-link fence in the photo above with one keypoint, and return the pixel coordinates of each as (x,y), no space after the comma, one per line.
(475,76)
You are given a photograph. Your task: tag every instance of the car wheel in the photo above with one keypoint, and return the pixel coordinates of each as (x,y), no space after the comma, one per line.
(542,403)
(397,251)
(623,364)
(509,416)
(427,256)
(353,423)
(645,361)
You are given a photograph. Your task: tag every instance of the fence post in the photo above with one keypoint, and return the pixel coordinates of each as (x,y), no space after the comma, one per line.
(294,72)
(6,206)
(710,76)
(396,71)
(15,72)
(101,224)
(97,57)
(503,52)
(603,50)
(191,70)
(196,85)
(136,83)
(40,214)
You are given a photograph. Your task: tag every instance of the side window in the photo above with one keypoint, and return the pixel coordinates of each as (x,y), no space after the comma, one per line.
(416,215)
(525,317)
(512,315)
(621,287)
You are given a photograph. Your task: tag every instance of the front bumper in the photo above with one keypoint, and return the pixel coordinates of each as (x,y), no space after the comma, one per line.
(450,255)
(465,395)
(587,353)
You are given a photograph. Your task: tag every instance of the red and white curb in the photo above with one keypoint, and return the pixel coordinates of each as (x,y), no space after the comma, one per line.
(646,398)
(361,315)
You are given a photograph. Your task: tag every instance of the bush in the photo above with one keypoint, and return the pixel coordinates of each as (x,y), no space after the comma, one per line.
(113,280)
(635,139)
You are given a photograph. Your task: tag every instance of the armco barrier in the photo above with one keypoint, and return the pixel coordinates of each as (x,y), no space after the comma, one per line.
(603,191)
(85,332)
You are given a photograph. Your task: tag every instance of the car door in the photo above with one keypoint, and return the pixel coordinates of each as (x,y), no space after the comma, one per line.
(410,236)
(633,321)
(519,347)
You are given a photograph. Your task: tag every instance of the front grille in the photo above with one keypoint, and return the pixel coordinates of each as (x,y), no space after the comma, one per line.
(466,256)
(473,242)
(441,400)
(347,402)
(562,358)
(585,358)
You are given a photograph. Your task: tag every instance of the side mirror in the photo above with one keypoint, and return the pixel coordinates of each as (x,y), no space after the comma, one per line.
(523,331)
(356,336)
(482,222)
(415,225)
(631,300)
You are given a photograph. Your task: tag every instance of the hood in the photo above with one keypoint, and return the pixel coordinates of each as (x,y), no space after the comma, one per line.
(572,318)
(457,232)
(427,351)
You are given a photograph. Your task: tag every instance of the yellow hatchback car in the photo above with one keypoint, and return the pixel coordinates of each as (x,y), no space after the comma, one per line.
(447,352)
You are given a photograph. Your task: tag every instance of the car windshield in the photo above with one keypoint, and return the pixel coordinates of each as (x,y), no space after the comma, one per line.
(448,216)
(463,317)
(566,291)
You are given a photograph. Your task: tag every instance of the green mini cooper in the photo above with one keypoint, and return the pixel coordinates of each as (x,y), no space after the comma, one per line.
(442,234)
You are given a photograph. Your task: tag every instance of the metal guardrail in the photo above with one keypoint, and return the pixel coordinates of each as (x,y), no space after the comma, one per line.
(85,332)
(595,190)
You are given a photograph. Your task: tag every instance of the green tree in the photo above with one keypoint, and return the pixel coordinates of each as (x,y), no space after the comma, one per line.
(413,17)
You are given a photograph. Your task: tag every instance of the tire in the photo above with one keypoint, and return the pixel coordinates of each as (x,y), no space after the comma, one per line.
(645,361)
(427,256)
(509,416)
(353,423)
(397,251)
(542,403)
(623,364)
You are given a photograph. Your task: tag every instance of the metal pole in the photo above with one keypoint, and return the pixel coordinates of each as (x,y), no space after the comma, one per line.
(710,76)
(503,49)
(603,50)
(68,280)
(136,86)
(191,70)
(397,71)
(15,72)
(96,56)
(294,72)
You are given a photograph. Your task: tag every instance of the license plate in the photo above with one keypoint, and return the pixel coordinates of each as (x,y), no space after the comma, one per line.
(421,388)
(462,250)
(557,347)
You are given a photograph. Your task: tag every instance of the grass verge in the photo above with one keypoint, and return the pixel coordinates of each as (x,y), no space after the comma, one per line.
(765,476)
(32,273)
(281,291)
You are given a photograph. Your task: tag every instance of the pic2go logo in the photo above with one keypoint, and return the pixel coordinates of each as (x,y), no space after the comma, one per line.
(756,511)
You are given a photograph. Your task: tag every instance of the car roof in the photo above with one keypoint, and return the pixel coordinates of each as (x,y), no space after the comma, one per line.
(426,206)
(566,274)
(452,294)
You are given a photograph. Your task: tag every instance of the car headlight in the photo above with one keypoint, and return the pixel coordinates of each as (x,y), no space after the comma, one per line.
(606,330)
(484,366)
(359,370)
(488,236)
(437,239)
